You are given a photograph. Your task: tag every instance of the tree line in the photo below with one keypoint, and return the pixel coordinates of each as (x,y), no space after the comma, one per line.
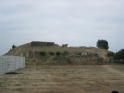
(118,55)
(104,45)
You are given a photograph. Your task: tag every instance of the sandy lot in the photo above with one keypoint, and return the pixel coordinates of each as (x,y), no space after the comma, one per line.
(65,79)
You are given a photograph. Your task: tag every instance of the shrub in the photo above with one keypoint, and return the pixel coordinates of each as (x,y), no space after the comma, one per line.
(51,53)
(42,53)
(58,53)
(13,46)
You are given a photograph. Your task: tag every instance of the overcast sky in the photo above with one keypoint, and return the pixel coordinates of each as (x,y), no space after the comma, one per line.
(76,22)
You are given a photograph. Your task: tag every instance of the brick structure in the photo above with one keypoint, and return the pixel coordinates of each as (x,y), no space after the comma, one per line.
(64,45)
(38,43)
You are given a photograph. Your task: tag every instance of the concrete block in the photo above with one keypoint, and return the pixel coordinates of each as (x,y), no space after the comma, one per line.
(11,63)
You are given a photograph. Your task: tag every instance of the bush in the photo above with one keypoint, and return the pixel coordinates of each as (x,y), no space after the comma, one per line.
(13,46)
(58,53)
(51,53)
(42,53)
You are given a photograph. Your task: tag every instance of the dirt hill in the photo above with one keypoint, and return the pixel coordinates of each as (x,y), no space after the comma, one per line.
(25,49)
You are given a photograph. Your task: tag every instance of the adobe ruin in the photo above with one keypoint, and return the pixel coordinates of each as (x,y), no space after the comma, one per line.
(38,43)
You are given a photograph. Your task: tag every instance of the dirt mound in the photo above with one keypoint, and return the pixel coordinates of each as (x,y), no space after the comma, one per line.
(24,50)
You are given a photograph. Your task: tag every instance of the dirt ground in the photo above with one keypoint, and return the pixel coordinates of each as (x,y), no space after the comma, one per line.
(64,79)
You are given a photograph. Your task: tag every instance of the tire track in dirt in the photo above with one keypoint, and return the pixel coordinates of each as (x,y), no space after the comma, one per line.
(109,68)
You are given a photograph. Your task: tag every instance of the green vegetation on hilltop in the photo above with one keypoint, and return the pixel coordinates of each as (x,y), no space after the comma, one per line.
(102,44)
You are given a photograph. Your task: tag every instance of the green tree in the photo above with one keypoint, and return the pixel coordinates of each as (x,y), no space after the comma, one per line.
(42,53)
(102,44)
(13,46)
(119,55)
(51,53)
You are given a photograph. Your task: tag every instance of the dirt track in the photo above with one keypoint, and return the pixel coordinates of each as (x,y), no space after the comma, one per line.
(65,79)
